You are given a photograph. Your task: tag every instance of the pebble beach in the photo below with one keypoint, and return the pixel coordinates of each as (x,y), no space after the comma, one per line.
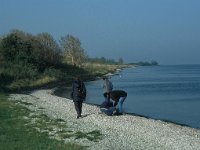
(125,132)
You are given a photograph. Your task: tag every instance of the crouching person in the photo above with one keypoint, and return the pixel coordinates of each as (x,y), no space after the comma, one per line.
(107,107)
(118,96)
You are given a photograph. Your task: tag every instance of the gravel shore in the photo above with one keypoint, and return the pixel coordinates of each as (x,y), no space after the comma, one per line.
(124,132)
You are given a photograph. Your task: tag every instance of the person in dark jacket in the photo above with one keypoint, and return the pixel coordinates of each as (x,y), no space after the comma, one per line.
(107,107)
(78,95)
(118,96)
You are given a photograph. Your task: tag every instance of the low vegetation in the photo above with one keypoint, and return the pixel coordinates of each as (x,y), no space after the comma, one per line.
(23,129)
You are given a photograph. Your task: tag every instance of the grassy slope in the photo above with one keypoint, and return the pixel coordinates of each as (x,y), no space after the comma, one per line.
(62,76)
(15,133)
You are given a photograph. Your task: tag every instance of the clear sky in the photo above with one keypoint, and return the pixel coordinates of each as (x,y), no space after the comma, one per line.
(167,31)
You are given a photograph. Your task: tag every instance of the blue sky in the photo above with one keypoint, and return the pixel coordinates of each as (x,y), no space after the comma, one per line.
(167,31)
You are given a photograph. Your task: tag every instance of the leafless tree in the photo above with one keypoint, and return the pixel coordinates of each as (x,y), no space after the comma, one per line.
(52,50)
(73,50)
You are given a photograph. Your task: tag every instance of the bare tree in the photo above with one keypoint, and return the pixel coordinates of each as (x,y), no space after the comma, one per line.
(52,50)
(47,40)
(73,50)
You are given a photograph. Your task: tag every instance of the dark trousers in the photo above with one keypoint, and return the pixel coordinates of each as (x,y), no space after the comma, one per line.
(78,107)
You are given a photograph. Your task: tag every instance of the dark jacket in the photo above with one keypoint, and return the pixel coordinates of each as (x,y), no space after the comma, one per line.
(78,91)
(106,104)
(116,94)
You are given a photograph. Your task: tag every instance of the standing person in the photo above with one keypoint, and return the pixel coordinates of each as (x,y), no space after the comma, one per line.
(107,87)
(78,95)
(118,96)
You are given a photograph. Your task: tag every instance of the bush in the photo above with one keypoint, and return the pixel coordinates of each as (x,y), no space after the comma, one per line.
(19,47)
(51,72)
(20,71)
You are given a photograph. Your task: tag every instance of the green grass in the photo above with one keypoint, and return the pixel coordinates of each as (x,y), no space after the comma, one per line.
(98,69)
(92,136)
(51,77)
(17,132)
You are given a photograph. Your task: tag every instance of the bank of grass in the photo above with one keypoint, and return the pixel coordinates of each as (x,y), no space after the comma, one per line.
(100,69)
(52,77)
(27,78)
(25,130)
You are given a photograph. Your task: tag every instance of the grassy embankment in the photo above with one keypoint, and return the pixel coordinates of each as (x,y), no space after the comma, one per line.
(17,131)
(103,69)
(62,75)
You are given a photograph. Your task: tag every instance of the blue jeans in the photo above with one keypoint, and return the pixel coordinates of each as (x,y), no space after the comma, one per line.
(120,104)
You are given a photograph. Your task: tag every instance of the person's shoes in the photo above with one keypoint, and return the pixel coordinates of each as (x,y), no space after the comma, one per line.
(78,116)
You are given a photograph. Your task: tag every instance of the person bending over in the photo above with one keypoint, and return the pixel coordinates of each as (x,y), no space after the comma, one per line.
(118,96)
(107,107)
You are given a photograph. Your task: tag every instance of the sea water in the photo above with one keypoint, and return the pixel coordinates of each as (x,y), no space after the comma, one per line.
(160,92)
(169,93)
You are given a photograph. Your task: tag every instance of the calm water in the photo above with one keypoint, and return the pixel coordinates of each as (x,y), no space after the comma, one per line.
(161,92)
